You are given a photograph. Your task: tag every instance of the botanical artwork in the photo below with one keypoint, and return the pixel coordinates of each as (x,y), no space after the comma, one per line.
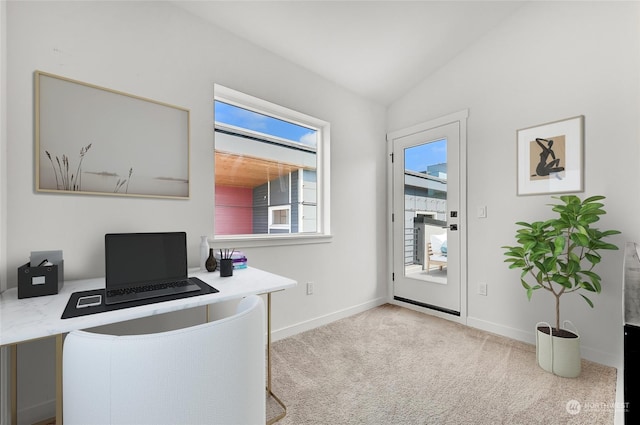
(550,158)
(98,141)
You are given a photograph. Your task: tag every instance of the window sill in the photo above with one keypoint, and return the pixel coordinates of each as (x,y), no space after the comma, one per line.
(257,241)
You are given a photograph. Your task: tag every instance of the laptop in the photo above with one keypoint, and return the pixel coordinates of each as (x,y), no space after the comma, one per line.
(146,265)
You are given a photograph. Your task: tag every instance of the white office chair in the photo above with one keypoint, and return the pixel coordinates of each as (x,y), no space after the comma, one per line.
(212,373)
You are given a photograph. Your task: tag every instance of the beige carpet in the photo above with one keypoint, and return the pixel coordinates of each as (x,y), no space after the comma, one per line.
(391,365)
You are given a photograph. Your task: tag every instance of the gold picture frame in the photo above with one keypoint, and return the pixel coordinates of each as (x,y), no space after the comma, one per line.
(550,157)
(98,141)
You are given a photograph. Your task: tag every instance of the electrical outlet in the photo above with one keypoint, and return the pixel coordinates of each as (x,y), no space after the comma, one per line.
(309,288)
(482,288)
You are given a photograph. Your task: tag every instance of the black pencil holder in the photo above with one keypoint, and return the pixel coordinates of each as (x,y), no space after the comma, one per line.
(226,267)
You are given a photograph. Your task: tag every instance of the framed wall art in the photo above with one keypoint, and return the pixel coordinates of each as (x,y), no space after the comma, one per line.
(94,140)
(550,157)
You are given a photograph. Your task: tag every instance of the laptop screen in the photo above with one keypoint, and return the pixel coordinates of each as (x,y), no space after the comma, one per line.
(139,258)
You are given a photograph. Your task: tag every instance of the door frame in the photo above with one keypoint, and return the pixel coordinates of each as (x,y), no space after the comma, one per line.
(461,118)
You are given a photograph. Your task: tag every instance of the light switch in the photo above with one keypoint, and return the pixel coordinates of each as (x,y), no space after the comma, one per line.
(482,212)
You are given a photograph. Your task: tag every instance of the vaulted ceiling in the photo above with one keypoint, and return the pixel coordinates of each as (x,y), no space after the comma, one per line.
(377,49)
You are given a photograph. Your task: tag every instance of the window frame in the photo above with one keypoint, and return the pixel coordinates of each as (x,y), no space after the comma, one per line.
(323,223)
(279,226)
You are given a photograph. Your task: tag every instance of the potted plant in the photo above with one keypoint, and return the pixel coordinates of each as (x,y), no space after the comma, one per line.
(559,255)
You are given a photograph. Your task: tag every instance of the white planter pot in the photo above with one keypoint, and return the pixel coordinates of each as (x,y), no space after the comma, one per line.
(558,355)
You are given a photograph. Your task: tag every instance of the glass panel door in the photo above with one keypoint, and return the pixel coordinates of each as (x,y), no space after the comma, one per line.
(426,200)
(425,211)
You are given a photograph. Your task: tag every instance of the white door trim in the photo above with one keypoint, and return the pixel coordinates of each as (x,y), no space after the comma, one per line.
(461,118)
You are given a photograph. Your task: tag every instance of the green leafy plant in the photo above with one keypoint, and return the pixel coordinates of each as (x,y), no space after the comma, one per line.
(561,253)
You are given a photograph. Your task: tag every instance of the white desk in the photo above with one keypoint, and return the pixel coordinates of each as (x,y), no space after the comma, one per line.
(39,317)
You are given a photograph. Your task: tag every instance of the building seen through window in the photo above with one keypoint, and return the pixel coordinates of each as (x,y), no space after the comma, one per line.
(425,198)
(266,173)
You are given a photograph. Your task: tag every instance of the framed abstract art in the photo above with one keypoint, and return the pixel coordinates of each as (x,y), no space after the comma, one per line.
(550,157)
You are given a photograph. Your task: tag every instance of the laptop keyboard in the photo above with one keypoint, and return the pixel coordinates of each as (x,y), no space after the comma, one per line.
(147,288)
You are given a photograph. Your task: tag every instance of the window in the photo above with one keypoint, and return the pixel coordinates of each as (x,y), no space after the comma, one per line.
(279,219)
(271,170)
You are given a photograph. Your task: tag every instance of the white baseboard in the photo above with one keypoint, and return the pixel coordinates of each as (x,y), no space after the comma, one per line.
(513,333)
(588,353)
(326,319)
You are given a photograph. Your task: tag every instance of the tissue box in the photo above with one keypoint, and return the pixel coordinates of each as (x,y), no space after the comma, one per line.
(38,281)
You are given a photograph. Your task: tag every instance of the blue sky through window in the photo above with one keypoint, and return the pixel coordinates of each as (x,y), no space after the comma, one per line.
(239,117)
(418,158)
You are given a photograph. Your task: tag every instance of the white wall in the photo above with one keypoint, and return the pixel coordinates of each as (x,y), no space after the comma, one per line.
(549,61)
(3,141)
(4,378)
(155,50)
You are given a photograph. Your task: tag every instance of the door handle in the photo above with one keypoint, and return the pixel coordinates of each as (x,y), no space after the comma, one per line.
(453,227)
